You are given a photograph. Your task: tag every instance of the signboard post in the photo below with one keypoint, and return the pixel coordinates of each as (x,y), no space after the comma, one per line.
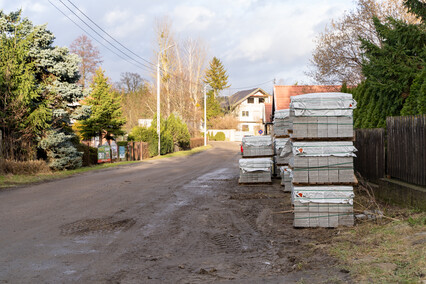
(104,154)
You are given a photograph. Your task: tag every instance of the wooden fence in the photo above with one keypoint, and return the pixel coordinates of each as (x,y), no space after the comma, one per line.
(370,160)
(137,151)
(406,148)
(398,152)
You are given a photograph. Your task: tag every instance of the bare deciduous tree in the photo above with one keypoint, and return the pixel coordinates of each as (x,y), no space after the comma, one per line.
(90,58)
(337,57)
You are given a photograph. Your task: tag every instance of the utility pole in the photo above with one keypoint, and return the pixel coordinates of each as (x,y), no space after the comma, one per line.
(158,98)
(205,115)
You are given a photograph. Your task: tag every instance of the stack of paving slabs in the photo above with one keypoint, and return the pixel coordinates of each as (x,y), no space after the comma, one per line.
(322,162)
(286,178)
(282,123)
(323,206)
(255,170)
(257,146)
(283,154)
(256,166)
(323,116)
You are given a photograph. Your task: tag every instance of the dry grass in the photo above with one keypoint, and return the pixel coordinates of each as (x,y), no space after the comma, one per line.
(391,249)
(23,168)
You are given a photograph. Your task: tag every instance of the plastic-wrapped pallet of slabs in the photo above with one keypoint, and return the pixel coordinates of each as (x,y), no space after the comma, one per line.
(282,123)
(283,151)
(323,115)
(255,170)
(286,178)
(323,206)
(323,162)
(257,146)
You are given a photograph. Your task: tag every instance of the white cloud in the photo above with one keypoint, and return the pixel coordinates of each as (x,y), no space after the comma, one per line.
(192,17)
(123,24)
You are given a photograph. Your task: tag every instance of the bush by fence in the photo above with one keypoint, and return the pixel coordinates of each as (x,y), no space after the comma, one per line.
(196,142)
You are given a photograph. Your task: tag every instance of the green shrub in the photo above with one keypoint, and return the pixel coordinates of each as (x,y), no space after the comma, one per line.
(220,136)
(90,155)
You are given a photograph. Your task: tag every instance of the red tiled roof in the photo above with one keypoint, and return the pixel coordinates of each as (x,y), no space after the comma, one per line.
(282,94)
(268,112)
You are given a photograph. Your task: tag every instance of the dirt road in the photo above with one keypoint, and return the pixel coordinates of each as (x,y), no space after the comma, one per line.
(176,220)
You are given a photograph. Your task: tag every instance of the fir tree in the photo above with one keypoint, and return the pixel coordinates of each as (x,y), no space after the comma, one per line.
(394,74)
(217,78)
(42,78)
(106,119)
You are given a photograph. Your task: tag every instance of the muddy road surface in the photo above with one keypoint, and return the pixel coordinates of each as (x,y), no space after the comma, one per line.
(174,220)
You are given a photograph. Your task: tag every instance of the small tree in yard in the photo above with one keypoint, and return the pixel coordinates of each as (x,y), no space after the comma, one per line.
(106,119)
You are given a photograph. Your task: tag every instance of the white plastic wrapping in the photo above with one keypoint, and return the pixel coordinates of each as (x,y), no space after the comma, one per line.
(323,194)
(257,141)
(323,104)
(323,149)
(256,165)
(286,173)
(282,114)
(283,147)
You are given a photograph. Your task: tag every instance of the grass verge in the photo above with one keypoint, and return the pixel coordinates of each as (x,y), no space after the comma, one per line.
(10,180)
(386,250)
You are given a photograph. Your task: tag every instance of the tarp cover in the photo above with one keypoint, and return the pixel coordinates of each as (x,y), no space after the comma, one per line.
(283,147)
(257,141)
(282,114)
(323,104)
(255,165)
(323,194)
(324,149)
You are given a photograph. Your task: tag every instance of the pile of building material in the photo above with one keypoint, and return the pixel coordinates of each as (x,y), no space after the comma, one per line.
(322,164)
(286,178)
(283,152)
(282,123)
(323,116)
(257,146)
(257,170)
(256,166)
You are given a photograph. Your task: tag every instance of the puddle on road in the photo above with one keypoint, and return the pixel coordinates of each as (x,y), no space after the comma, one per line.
(209,179)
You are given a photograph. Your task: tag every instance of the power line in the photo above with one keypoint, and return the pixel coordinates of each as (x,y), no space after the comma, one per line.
(110,35)
(149,67)
(85,31)
(146,68)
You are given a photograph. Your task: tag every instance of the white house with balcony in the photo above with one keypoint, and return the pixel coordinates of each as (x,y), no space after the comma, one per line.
(249,107)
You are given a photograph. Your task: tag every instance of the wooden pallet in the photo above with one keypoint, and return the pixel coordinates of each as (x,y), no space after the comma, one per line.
(282,136)
(325,183)
(325,139)
(254,157)
(255,183)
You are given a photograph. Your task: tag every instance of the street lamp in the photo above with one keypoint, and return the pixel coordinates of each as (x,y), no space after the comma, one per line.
(158,98)
(205,113)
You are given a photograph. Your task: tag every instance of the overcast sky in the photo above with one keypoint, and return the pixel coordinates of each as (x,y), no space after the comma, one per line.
(257,40)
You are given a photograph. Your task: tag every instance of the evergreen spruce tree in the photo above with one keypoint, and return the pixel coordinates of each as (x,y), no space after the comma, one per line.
(217,78)
(44,83)
(394,71)
(106,118)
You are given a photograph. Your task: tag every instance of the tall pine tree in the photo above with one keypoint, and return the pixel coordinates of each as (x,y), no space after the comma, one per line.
(217,78)
(106,120)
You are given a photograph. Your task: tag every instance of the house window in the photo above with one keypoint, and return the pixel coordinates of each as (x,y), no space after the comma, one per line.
(261,100)
(250,100)
(245,127)
(245,113)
